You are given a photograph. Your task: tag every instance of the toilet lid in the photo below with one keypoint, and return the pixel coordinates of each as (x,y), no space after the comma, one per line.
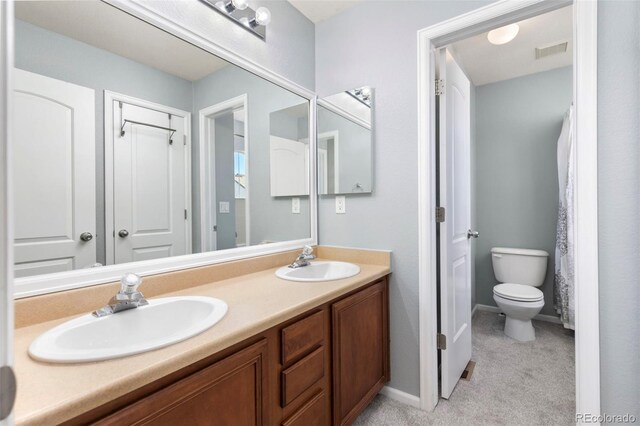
(518,292)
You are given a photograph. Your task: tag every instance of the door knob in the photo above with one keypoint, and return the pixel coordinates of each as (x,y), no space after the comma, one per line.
(86,236)
(123,233)
(472,234)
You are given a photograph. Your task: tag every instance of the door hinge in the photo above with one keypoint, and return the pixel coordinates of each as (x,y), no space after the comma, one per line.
(184,139)
(7,391)
(185,214)
(440,213)
(442,342)
(440,85)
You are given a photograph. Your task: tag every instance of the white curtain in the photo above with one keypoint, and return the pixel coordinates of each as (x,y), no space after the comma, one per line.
(564,283)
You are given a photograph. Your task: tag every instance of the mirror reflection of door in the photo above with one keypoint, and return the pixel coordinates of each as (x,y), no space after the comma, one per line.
(240,177)
(225,180)
(328,163)
(54,173)
(151,189)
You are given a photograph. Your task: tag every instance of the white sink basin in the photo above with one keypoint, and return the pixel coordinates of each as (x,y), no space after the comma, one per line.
(319,271)
(162,322)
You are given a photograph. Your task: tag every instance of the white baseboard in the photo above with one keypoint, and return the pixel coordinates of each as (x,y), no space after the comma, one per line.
(402,397)
(489,308)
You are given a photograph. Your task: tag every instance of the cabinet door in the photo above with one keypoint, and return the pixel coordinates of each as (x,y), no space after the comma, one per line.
(360,350)
(231,392)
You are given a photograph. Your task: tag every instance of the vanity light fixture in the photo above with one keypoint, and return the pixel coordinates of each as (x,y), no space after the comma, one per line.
(504,34)
(239,12)
(362,94)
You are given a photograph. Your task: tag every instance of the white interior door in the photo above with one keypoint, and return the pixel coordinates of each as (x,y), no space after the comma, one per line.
(54,175)
(150,196)
(455,196)
(289,167)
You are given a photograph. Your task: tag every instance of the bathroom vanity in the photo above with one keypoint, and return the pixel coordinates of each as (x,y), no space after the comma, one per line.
(287,353)
(292,374)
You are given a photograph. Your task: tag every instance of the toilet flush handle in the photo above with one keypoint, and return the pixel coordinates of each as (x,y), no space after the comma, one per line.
(472,234)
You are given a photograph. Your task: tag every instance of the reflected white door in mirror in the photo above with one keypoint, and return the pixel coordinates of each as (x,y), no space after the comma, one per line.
(148,182)
(54,170)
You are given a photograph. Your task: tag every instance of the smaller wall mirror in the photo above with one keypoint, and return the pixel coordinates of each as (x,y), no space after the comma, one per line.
(345,142)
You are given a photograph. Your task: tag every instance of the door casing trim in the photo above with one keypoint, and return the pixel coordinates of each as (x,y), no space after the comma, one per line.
(586,232)
(205,170)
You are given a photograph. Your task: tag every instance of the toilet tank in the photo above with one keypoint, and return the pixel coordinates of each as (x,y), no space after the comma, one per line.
(519,266)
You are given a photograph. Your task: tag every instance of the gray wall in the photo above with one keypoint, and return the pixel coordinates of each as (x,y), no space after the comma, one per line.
(54,55)
(271,218)
(374,43)
(518,122)
(619,204)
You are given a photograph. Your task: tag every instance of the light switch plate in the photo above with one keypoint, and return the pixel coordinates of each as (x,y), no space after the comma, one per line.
(341,204)
(223,207)
(295,205)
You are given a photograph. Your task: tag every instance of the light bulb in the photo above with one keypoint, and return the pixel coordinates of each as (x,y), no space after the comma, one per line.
(263,16)
(240,4)
(366,92)
(504,34)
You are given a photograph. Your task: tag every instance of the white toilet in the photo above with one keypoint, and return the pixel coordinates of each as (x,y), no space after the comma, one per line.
(520,271)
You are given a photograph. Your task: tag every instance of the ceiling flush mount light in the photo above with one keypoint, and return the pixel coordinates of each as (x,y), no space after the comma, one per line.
(504,34)
(239,11)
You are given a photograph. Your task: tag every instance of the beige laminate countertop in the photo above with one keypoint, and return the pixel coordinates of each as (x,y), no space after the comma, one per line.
(49,394)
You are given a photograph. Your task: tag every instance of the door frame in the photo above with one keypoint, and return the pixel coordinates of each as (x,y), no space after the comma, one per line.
(6,201)
(208,178)
(587,341)
(335,134)
(109,98)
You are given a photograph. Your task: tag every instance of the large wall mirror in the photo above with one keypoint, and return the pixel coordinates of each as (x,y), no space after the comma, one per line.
(345,142)
(131,144)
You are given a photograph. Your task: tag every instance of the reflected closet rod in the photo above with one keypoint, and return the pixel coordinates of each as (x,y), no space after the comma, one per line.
(125,121)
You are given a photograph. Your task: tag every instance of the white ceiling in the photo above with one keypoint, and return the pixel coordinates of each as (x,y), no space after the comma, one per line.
(486,63)
(105,27)
(319,10)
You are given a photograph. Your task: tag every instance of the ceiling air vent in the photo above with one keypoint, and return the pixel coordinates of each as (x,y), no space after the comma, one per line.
(552,49)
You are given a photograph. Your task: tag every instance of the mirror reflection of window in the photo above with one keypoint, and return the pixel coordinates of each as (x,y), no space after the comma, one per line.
(161,157)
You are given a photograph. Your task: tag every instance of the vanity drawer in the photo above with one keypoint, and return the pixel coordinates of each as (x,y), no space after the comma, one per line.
(302,375)
(299,338)
(313,413)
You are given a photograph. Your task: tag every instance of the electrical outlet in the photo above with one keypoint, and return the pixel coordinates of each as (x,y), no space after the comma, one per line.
(223,207)
(341,204)
(295,205)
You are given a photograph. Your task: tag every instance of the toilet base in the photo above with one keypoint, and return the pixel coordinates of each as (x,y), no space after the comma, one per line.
(521,330)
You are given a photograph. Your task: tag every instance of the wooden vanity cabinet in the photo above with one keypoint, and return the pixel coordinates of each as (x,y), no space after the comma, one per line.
(318,369)
(360,350)
(230,392)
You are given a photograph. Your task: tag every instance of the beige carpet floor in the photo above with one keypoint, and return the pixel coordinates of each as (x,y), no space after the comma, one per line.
(513,383)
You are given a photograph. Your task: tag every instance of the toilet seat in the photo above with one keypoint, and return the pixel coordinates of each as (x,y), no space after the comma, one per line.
(518,292)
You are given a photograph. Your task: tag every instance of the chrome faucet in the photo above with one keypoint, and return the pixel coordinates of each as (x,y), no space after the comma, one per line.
(127,298)
(304,258)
